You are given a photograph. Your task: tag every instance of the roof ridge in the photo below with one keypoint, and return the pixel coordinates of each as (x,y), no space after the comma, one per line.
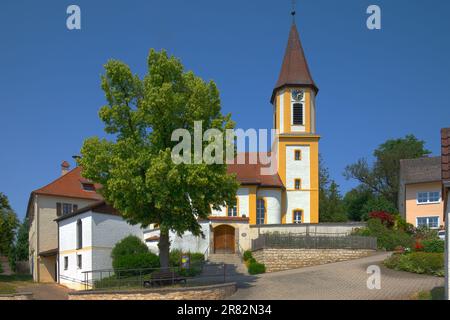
(57,179)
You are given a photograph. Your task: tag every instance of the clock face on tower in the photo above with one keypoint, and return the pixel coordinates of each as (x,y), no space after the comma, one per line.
(297,95)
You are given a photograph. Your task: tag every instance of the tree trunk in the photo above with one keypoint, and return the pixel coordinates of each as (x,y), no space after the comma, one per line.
(164,247)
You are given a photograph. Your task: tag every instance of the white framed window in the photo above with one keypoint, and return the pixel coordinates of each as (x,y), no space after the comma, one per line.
(260,211)
(297,216)
(428,197)
(66,263)
(79,261)
(430,222)
(232,211)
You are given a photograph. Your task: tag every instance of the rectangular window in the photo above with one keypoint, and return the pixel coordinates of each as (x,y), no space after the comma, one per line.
(66,208)
(88,186)
(297,218)
(430,222)
(297,112)
(232,211)
(79,261)
(66,263)
(297,184)
(260,211)
(298,155)
(428,197)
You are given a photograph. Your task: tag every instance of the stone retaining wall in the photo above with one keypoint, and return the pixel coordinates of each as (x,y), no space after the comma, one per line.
(213,292)
(17,296)
(285,259)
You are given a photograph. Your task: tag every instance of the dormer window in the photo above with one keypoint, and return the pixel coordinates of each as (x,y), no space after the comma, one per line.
(88,186)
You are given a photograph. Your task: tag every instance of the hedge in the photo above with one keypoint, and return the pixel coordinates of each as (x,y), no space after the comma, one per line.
(418,262)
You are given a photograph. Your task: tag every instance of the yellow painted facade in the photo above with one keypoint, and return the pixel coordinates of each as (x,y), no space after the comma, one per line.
(288,137)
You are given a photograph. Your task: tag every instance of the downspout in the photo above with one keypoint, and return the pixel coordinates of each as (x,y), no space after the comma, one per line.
(447,238)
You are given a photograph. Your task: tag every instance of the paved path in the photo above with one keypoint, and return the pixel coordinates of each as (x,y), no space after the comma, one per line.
(343,280)
(46,291)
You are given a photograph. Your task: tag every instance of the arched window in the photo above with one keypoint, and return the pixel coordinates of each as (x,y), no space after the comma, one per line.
(79,234)
(260,211)
(297,216)
(297,112)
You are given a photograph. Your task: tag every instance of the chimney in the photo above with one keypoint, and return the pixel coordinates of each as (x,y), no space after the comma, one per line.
(64,167)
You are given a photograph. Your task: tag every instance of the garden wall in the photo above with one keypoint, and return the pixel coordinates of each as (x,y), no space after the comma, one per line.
(17,296)
(213,292)
(285,259)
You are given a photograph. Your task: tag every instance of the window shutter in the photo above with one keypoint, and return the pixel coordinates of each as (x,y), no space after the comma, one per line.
(58,209)
(74,207)
(298,114)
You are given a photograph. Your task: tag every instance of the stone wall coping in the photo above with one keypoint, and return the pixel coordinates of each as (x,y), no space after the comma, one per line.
(155,290)
(17,294)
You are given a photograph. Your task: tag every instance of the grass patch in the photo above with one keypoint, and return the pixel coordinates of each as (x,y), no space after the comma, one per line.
(437,293)
(9,284)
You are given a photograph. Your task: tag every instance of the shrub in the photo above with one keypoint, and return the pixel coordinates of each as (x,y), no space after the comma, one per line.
(146,260)
(128,246)
(247,255)
(435,245)
(401,224)
(418,262)
(197,257)
(175,258)
(387,238)
(132,253)
(386,218)
(425,233)
(418,246)
(256,268)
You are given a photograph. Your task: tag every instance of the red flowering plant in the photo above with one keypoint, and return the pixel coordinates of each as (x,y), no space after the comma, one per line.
(386,218)
(418,246)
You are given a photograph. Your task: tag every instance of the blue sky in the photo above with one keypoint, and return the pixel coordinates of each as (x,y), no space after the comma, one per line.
(374,85)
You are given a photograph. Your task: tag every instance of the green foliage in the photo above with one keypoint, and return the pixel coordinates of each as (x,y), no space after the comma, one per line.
(1,268)
(19,250)
(145,260)
(128,246)
(8,226)
(247,255)
(425,233)
(331,207)
(401,224)
(387,238)
(434,245)
(175,258)
(354,201)
(418,262)
(256,268)
(377,204)
(136,169)
(383,177)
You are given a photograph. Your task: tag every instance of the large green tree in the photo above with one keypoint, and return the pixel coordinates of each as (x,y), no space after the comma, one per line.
(8,226)
(355,201)
(135,167)
(331,208)
(382,178)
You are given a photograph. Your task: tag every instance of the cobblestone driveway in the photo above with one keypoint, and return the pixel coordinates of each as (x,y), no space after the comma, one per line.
(343,280)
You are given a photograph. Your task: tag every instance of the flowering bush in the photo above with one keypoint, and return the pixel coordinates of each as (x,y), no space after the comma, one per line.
(386,218)
(418,246)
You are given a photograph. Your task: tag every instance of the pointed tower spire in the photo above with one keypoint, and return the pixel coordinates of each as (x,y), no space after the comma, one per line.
(294,70)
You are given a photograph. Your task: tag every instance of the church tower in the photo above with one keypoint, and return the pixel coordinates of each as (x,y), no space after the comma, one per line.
(296,142)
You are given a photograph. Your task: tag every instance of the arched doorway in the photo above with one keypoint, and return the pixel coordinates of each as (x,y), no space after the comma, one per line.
(224,239)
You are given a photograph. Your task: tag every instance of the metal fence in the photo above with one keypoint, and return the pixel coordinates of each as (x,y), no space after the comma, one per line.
(303,241)
(196,274)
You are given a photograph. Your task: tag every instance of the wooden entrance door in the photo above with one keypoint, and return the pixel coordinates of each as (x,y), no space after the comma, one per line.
(224,239)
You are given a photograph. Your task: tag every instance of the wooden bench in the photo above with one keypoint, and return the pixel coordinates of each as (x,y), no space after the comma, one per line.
(164,278)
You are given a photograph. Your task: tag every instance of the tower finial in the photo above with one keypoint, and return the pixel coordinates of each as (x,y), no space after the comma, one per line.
(293,11)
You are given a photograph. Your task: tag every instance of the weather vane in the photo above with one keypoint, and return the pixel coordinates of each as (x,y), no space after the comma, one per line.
(293,11)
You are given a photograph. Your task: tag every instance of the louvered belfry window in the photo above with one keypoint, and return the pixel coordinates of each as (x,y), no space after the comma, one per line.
(298,114)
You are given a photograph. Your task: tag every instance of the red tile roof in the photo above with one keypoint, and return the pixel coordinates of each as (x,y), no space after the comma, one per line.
(250,174)
(445,153)
(294,70)
(69,185)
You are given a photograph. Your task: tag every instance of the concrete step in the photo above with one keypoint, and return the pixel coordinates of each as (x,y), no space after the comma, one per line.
(232,262)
